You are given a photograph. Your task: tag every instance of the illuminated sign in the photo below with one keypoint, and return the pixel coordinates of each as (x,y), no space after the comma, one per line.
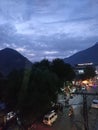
(83,64)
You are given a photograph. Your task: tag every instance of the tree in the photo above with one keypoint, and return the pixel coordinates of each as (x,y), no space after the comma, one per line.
(38,87)
(17,84)
(89,72)
(14,84)
(3,85)
(1,75)
(44,64)
(63,70)
(42,90)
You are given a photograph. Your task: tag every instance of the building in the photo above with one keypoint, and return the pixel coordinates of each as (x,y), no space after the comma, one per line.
(80,68)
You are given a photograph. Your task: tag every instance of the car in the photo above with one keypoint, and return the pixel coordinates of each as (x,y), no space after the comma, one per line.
(94,104)
(10,115)
(50,118)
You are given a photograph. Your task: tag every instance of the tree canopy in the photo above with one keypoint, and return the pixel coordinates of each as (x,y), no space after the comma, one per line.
(64,71)
(89,72)
(39,86)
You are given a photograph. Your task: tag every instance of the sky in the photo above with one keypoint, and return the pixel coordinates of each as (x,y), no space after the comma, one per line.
(48,29)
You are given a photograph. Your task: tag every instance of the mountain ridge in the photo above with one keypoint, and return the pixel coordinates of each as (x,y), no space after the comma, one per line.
(11,59)
(88,55)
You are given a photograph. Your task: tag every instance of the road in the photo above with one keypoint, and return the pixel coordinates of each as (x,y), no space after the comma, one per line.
(70,123)
(77,122)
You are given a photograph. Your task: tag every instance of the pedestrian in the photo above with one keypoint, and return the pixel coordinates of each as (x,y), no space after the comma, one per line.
(18,121)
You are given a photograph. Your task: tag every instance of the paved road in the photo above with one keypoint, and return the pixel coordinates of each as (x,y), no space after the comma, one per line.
(70,123)
(77,122)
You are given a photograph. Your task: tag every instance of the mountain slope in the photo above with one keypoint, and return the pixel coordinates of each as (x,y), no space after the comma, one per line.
(88,55)
(11,59)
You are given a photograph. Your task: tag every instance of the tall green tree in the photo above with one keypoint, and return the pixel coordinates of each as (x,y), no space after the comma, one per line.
(38,87)
(3,85)
(14,83)
(42,90)
(89,72)
(63,70)
(17,84)
(43,64)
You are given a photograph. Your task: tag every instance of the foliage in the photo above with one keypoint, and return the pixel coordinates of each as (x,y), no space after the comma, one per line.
(37,88)
(1,75)
(3,85)
(13,88)
(89,72)
(42,89)
(63,70)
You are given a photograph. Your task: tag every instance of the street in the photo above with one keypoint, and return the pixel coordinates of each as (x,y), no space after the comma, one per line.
(71,123)
(77,122)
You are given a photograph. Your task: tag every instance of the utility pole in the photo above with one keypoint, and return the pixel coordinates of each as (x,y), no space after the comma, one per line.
(85,112)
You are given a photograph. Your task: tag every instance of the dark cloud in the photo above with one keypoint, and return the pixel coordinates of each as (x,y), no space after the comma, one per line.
(48,28)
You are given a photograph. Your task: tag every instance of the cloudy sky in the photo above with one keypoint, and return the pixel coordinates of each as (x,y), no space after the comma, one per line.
(49,29)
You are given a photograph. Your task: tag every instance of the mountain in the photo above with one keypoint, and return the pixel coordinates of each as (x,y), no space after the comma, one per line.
(85,56)
(11,59)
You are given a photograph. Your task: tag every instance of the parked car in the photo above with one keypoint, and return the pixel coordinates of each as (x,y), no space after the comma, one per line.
(10,115)
(94,104)
(50,118)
